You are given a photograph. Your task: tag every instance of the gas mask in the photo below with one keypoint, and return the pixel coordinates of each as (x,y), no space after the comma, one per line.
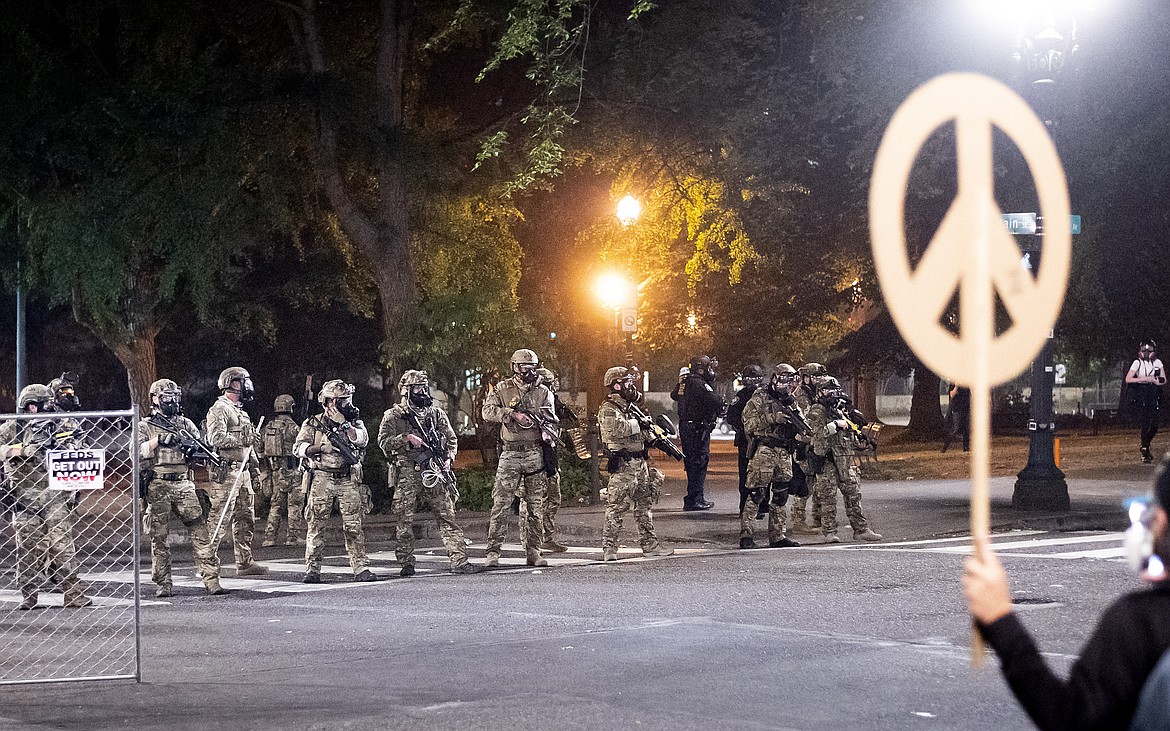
(346,410)
(780,385)
(420,396)
(629,391)
(527,373)
(246,390)
(67,399)
(1139,542)
(169,405)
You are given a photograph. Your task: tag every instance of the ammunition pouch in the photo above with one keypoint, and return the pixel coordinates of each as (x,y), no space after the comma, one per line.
(614,459)
(219,472)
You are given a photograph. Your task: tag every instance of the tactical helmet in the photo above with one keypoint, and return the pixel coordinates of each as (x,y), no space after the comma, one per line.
(753,371)
(164,385)
(525,356)
(524,364)
(235,373)
(284,404)
(412,378)
(615,374)
(813,369)
(335,389)
(63,388)
(829,388)
(34,393)
(704,366)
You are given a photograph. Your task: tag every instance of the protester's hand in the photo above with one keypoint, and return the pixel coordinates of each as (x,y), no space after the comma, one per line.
(986,585)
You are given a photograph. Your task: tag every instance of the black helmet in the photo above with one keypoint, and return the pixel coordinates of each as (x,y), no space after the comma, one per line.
(753,374)
(704,366)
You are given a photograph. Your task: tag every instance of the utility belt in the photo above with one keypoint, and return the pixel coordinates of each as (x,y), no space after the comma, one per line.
(170,476)
(520,446)
(339,474)
(282,462)
(778,443)
(616,458)
(696,424)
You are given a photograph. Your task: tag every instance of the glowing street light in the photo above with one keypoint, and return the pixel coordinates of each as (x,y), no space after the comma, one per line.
(614,291)
(628,210)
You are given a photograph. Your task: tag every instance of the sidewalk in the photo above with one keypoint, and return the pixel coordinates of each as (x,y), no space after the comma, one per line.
(903,510)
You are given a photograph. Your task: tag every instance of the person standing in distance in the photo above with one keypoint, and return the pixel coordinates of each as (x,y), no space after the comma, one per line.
(751,378)
(698,409)
(1144,383)
(959,417)
(403,443)
(230,433)
(171,490)
(288,499)
(1115,665)
(333,442)
(631,480)
(516,403)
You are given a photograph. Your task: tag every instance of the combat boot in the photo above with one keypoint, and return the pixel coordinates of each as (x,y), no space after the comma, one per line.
(406,570)
(609,556)
(164,590)
(466,568)
(535,559)
(832,537)
(251,569)
(491,561)
(553,547)
(658,550)
(76,599)
(213,587)
(268,543)
(367,575)
(746,542)
(803,529)
(784,542)
(866,535)
(312,577)
(30,602)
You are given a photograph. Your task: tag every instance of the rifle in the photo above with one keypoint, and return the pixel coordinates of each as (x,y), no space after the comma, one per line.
(546,428)
(849,418)
(192,447)
(787,407)
(341,443)
(231,498)
(308,397)
(660,438)
(435,470)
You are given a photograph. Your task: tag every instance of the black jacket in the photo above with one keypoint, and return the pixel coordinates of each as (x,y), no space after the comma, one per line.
(698,402)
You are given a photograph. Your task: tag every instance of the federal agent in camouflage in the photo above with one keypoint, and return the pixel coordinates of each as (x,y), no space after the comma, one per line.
(44,530)
(230,433)
(404,438)
(631,480)
(171,489)
(834,444)
(810,374)
(333,443)
(281,468)
(516,403)
(773,434)
(552,498)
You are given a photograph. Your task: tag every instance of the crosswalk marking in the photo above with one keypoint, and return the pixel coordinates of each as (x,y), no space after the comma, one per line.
(58,600)
(1011,544)
(965,538)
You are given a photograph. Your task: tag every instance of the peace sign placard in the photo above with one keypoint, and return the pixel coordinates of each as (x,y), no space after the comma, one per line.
(971,252)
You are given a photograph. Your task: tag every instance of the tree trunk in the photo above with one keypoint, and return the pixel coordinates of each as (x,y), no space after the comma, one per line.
(865,396)
(926,419)
(137,355)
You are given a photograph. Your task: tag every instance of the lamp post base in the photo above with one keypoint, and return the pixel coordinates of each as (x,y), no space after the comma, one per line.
(1041,489)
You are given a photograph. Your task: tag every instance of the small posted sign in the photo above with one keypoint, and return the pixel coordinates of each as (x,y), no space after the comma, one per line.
(77,469)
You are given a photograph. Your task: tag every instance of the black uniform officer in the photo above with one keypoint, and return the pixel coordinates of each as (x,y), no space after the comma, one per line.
(698,408)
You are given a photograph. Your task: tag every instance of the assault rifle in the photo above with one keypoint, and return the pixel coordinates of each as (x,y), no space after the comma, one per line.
(545,425)
(190,445)
(789,409)
(660,435)
(341,443)
(844,412)
(433,461)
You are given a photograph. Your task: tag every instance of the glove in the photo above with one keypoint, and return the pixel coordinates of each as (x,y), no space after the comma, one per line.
(831,427)
(414,440)
(167,439)
(523,420)
(313,451)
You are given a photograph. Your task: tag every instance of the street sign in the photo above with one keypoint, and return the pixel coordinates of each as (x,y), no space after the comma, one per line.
(1028,224)
(629,319)
(1020,224)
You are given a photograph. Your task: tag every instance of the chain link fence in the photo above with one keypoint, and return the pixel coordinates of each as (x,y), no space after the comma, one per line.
(69,537)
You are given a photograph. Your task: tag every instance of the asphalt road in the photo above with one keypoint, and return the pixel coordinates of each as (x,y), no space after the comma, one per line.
(848,637)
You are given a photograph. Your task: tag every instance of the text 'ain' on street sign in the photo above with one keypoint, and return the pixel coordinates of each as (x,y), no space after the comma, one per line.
(1029,224)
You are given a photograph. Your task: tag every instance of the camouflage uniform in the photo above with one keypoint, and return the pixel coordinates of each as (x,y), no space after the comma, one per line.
(44,530)
(521,464)
(332,479)
(409,486)
(803,401)
(288,496)
(171,489)
(839,472)
(771,464)
(634,482)
(230,433)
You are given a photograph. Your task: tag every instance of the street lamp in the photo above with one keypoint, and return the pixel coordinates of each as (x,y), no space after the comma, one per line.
(628,210)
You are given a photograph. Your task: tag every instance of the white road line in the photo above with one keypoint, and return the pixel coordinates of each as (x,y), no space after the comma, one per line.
(1036,543)
(1099,553)
(1012,534)
(58,600)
